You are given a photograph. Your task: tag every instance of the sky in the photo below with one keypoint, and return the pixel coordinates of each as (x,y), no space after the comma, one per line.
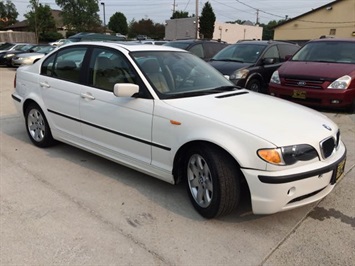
(225,10)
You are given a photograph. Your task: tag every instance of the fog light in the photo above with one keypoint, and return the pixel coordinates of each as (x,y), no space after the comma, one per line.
(335,101)
(291,191)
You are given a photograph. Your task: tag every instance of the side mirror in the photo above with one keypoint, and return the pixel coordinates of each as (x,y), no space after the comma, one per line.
(125,89)
(288,57)
(269,61)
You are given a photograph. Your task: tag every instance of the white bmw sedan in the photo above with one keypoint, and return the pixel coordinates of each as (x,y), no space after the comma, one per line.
(167,113)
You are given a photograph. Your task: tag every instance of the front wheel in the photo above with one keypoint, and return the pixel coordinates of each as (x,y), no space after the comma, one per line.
(254,85)
(37,127)
(213,180)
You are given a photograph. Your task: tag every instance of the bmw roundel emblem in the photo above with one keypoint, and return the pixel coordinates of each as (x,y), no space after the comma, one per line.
(327,127)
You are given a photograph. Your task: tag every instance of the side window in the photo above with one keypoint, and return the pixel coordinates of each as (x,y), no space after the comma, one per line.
(287,50)
(211,49)
(47,66)
(66,64)
(108,67)
(273,52)
(197,50)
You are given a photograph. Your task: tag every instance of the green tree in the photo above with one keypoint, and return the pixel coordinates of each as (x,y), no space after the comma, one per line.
(207,20)
(180,14)
(146,27)
(40,19)
(118,23)
(8,14)
(238,21)
(268,29)
(80,15)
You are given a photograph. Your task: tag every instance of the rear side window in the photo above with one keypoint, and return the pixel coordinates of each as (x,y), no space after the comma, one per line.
(66,64)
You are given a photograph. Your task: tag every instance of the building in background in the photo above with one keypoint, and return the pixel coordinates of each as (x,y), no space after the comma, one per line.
(335,19)
(185,28)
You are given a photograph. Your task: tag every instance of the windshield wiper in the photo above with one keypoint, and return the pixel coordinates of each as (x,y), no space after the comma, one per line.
(323,61)
(228,60)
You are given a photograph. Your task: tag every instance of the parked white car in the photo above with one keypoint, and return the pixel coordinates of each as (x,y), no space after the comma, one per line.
(167,113)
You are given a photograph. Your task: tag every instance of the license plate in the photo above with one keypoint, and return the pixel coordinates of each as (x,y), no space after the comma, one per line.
(299,94)
(339,171)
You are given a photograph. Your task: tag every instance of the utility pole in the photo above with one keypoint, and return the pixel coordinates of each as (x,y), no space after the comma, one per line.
(257,17)
(196,20)
(174,5)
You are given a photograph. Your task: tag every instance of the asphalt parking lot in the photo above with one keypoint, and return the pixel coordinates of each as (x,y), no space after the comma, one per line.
(66,206)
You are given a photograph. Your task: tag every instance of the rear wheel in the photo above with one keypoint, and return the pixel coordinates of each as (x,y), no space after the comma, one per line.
(37,127)
(213,180)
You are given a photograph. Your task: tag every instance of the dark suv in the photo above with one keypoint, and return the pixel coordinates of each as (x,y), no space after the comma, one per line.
(205,49)
(250,64)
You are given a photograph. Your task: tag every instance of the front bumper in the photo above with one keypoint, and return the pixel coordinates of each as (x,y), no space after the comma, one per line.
(283,190)
(329,98)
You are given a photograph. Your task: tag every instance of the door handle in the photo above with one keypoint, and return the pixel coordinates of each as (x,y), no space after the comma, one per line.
(87,96)
(44,85)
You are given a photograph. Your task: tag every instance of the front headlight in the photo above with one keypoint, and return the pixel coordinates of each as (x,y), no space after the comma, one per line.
(275,78)
(288,155)
(8,55)
(240,74)
(341,83)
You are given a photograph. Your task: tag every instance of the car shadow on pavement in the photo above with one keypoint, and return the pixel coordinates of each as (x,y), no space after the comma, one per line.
(174,198)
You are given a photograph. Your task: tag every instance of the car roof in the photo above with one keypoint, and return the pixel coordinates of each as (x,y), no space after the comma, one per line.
(333,40)
(129,46)
(263,42)
(194,41)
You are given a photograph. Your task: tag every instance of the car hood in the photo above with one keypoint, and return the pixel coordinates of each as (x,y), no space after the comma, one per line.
(275,120)
(316,69)
(226,67)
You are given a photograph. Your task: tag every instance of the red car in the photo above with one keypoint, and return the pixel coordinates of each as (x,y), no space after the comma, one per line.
(320,74)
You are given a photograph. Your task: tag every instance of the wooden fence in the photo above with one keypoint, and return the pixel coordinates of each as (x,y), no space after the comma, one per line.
(17,36)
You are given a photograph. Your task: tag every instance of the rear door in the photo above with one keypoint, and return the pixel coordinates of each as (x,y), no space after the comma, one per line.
(60,83)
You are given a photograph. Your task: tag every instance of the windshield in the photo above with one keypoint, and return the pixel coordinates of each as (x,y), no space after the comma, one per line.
(332,52)
(180,74)
(6,46)
(43,49)
(244,53)
(181,45)
(26,47)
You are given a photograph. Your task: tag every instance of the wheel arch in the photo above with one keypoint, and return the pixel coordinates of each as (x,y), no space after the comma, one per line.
(257,76)
(26,103)
(179,156)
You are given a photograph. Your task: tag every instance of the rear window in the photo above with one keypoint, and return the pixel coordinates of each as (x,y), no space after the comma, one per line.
(330,52)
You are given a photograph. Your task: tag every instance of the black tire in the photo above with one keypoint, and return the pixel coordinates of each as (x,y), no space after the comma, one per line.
(212,180)
(37,127)
(254,85)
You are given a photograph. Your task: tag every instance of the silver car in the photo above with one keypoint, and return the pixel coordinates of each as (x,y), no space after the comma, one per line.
(34,55)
